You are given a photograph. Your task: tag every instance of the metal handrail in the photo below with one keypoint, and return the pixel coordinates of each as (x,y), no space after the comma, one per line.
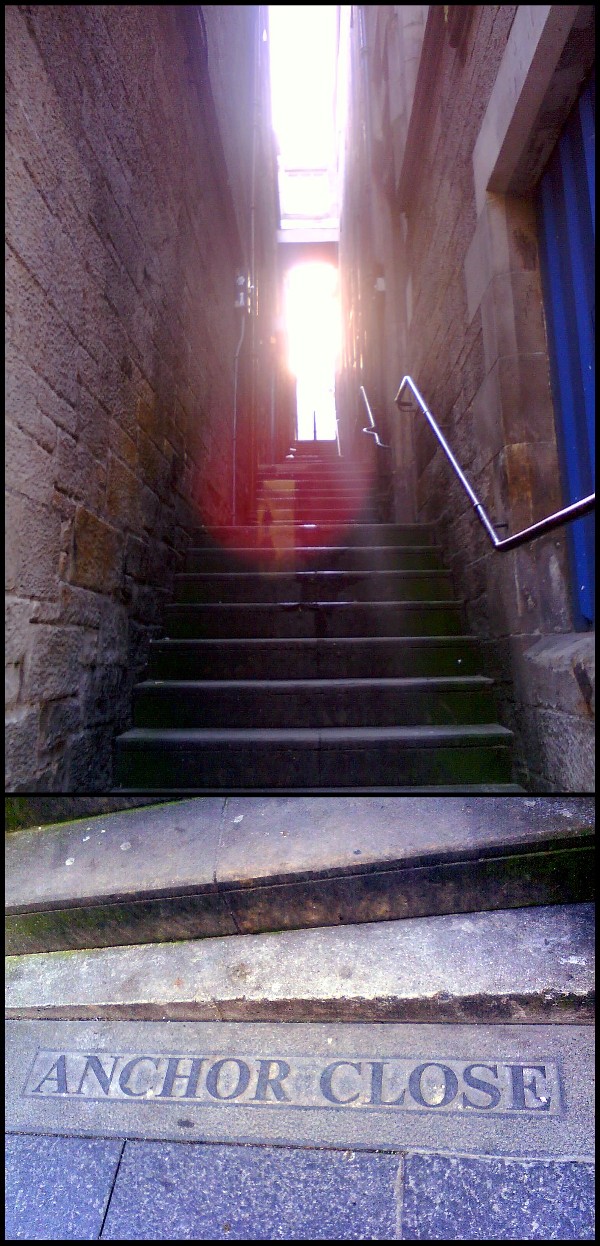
(573,511)
(372,431)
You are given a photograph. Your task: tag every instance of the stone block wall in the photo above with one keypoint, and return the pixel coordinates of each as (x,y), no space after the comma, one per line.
(123,243)
(455,237)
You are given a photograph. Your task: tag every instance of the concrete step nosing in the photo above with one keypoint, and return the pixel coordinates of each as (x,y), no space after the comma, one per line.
(408,683)
(287,865)
(317,737)
(420,969)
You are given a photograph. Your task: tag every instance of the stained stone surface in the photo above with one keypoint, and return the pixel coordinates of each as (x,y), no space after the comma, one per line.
(528,964)
(237,841)
(240,1193)
(58,1187)
(209,866)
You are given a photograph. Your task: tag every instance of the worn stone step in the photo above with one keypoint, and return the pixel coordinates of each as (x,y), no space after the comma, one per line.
(206,867)
(525,965)
(339,515)
(356,503)
(321,486)
(317,759)
(238,587)
(322,490)
(432,789)
(321,451)
(308,509)
(309,658)
(321,498)
(515,1099)
(313,702)
(310,535)
(342,469)
(316,619)
(327,558)
(307,512)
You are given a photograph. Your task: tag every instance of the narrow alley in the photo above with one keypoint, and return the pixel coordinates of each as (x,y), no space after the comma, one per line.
(300,638)
(154,220)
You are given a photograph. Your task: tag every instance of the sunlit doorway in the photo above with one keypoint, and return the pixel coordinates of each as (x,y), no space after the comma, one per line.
(313,332)
(303,54)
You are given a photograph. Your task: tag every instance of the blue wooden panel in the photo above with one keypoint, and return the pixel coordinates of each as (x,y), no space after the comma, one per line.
(566,225)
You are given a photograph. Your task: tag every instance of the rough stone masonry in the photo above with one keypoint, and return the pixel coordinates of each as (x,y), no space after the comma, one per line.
(122,250)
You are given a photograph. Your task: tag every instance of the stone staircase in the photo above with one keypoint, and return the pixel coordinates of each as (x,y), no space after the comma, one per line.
(318,649)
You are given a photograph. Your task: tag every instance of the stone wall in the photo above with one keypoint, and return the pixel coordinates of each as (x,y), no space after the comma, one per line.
(462,313)
(124,236)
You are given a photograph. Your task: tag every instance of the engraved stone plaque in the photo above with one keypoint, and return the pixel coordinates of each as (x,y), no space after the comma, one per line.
(484,1089)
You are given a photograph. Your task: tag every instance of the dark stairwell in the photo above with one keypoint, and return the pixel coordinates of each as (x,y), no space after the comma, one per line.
(320,649)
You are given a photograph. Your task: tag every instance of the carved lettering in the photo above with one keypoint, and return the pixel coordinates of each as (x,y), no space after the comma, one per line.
(126,1074)
(94,1065)
(271,1081)
(326,1078)
(394,1084)
(190,1078)
(60,1079)
(377,1070)
(525,1086)
(483,1085)
(212,1080)
(450,1090)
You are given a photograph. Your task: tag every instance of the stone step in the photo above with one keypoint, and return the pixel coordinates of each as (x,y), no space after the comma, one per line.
(326,558)
(304,536)
(343,467)
(315,759)
(238,587)
(314,619)
(322,451)
(308,658)
(524,965)
(300,512)
(319,495)
(317,506)
(435,789)
(313,702)
(323,496)
(206,867)
(388,1121)
(320,490)
(304,477)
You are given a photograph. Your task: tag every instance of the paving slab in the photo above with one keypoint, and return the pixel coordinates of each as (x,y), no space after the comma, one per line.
(214,866)
(520,965)
(457,1198)
(487,1090)
(243,1193)
(58,1187)
(279,839)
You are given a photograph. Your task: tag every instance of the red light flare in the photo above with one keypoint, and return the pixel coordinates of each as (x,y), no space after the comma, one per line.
(291,518)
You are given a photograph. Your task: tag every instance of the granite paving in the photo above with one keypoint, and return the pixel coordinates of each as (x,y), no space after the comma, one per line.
(245,1193)
(58,1188)
(93,1189)
(464,1198)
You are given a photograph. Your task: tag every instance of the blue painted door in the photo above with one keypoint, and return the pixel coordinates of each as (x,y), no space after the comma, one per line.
(566,227)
